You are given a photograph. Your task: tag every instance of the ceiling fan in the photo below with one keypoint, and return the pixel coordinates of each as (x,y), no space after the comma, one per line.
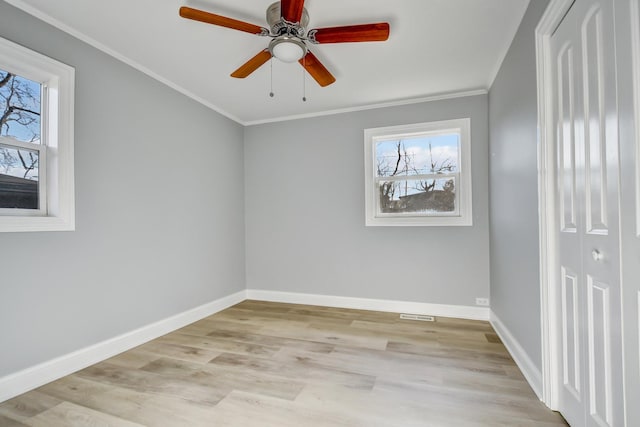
(288,20)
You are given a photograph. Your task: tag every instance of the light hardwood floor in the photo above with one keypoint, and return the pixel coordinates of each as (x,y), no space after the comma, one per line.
(269,364)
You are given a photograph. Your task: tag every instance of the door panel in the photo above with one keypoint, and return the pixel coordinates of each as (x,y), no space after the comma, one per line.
(566,137)
(570,333)
(628,56)
(599,320)
(601,240)
(567,115)
(595,155)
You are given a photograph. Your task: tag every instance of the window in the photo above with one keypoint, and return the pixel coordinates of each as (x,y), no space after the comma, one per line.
(36,141)
(418,174)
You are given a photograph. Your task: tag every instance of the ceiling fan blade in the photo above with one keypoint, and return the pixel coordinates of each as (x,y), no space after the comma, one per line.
(291,10)
(251,65)
(316,69)
(351,33)
(223,21)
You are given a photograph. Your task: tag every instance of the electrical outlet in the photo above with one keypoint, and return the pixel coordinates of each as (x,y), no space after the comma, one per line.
(482,301)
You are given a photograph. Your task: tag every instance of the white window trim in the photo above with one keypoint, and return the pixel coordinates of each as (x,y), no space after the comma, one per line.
(57,103)
(463,216)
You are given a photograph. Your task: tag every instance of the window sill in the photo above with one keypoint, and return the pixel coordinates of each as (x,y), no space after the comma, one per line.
(419,221)
(36,223)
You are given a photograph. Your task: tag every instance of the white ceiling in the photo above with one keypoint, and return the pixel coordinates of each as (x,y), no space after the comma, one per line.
(435,48)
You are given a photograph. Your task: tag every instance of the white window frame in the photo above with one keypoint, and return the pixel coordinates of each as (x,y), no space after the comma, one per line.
(56,184)
(463,215)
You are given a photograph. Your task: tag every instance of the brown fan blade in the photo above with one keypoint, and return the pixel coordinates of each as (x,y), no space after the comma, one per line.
(351,33)
(223,21)
(291,10)
(316,69)
(251,65)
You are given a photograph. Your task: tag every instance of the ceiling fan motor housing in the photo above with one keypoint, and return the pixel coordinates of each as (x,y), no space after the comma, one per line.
(279,26)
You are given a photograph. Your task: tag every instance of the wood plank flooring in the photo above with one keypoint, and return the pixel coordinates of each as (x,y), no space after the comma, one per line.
(269,364)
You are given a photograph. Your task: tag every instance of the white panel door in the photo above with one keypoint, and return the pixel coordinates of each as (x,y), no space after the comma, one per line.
(628,62)
(567,114)
(586,142)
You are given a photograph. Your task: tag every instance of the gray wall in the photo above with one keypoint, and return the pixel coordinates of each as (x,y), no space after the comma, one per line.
(515,279)
(159,202)
(305,213)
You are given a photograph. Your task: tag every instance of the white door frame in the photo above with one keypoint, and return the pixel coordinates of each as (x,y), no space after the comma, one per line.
(552,17)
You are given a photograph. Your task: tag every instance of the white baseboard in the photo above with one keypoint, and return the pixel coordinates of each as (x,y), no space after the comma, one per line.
(443,310)
(35,376)
(519,355)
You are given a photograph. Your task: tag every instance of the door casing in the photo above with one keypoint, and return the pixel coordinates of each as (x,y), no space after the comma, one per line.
(556,10)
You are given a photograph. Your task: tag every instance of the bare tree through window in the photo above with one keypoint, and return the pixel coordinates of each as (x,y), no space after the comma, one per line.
(414,160)
(20,120)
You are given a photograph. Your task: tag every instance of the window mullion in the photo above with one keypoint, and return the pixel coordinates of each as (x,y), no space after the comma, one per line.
(423,177)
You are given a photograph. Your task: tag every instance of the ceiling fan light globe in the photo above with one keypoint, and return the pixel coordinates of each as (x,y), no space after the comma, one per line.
(288,51)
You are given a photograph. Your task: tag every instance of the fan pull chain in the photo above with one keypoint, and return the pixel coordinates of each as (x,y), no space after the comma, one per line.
(304,87)
(271,66)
